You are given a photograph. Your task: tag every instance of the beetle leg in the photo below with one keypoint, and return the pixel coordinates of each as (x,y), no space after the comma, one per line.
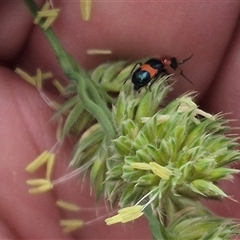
(163,72)
(153,81)
(134,68)
(181,73)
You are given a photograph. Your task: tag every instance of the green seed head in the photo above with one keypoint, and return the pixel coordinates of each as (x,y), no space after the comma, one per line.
(160,152)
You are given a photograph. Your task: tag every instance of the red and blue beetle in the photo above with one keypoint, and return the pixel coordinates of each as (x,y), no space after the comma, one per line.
(149,71)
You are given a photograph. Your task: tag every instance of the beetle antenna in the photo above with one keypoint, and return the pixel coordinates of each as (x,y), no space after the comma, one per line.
(184,60)
(174,64)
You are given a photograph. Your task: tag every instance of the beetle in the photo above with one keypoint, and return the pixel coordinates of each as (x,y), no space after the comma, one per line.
(149,71)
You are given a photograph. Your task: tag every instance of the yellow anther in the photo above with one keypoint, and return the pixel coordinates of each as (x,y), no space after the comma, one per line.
(39,79)
(48,13)
(99,51)
(50,16)
(59,86)
(141,166)
(25,76)
(50,165)
(38,162)
(43,76)
(126,215)
(41,189)
(70,225)
(34,80)
(49,21)
(45,7)
(42,185)
(160,171)
(37,182)
(86,9)
(67,206)
(59,129)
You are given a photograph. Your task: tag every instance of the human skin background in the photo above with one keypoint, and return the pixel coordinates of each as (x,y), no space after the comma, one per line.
(132,30)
